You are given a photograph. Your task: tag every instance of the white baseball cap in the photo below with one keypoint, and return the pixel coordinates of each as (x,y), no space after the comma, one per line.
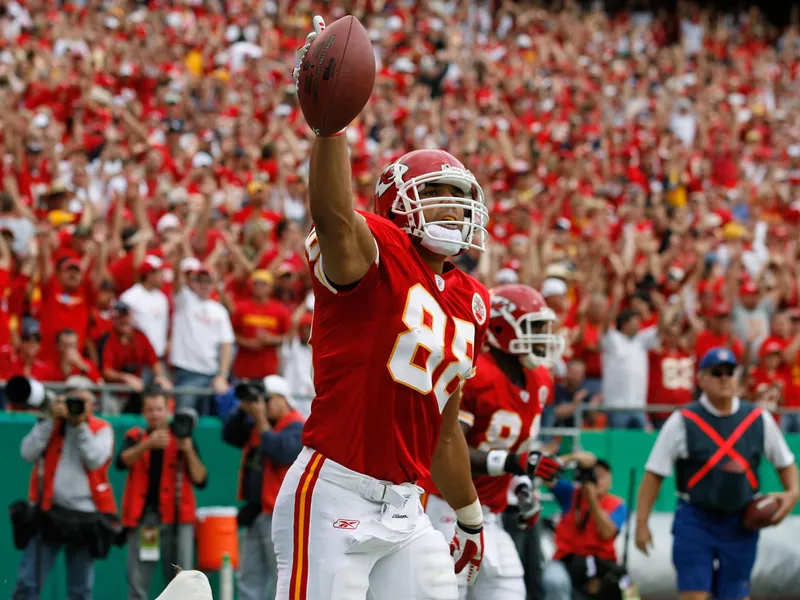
(168,221)
(553,287)
(190,263)
(278,386)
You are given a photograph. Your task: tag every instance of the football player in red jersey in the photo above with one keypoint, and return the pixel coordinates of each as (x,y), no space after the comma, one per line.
(396,330)
(500,413)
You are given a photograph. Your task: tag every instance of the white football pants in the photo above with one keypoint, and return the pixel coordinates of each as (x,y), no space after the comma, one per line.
(501,574)
(340,535)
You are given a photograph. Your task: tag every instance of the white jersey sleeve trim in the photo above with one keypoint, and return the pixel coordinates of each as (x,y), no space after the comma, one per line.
(466,417)
(314,255)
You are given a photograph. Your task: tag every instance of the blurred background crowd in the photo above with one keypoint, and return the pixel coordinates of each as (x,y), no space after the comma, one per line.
(642,170)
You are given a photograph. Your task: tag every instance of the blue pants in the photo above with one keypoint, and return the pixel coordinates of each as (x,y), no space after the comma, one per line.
(627,419)
(790,423)
(184,378)
(80,571)
(700,539)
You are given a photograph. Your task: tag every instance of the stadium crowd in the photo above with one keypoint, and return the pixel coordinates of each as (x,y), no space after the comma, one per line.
(641,170)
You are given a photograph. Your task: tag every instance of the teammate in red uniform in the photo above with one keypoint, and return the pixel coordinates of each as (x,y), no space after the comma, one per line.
(396,330)
(500,413)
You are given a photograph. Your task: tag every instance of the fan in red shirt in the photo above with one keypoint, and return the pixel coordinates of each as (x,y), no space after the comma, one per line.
(68,360)
(769,383)
(260,324)
(125,353)
(24,360)
(671,371)
(717,333)
(258,192)
(66,303)
(591,318)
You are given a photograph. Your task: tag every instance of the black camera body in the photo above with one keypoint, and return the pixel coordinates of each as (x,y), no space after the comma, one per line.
(182,426)
(250,391)
(76,406)
(585,475)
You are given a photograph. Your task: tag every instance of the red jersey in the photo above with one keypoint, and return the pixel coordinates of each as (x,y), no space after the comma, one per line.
(387,355)
(706,340)
(250,318)
(12,364)
(63,310)
(502,416)
(671,378)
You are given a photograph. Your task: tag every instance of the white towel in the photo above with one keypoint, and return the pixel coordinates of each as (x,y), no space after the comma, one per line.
(188,585)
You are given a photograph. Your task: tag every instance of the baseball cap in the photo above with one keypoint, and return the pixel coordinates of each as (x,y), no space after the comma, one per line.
(168,221)
(285,268)
(716,357)
(553,287)
(30,330)
(71,263)
(120,308)
(278,386)
(189,264)
(261,275)
(506,276)
(721,309)
(149,264)
(202,159)
(770,347)
(79,382)
(747,288)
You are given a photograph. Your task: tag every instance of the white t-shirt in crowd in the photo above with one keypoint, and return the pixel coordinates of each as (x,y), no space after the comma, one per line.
(625,367)
(296,368)
(150,311)
(198,329)
(671,443)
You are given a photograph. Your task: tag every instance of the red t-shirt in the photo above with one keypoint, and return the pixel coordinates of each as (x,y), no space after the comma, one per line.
(62,310)
(706,340)
(588,350)
(501,416)
(388,354)
(53,371)
(250,318)
(11,365)
(99,323)
(5,307)
(129,357)
(671,378)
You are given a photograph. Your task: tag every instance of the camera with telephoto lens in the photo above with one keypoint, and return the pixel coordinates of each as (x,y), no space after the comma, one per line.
(76,406)
(28,393)
(250,391)
(183,423)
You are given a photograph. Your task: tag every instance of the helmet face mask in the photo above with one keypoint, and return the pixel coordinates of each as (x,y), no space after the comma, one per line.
(521,324)
(397,195)
(535,341)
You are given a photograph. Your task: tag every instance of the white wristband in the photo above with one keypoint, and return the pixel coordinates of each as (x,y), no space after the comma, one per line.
(471,516)
(496,462)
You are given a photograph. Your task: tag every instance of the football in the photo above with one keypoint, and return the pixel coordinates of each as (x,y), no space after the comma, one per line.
(336,76)
(759,512)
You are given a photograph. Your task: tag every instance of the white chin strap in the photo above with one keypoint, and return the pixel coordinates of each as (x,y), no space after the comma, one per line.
(441,240)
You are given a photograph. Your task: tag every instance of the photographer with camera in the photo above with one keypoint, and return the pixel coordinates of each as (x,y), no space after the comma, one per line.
(585,559)
(164,467)
(268,429)
(71,503)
